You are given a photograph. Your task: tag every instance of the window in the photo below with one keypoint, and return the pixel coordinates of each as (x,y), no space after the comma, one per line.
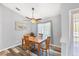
(45,29)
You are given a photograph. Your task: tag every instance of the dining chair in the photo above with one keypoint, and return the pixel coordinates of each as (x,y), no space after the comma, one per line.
(46,46)
(26,44)
(40,36)
(32,34)
(23,43)
(33,43)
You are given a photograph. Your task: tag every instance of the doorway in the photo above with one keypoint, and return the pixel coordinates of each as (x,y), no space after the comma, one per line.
(74,31)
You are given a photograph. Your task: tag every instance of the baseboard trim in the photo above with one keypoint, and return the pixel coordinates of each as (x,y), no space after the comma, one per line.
(55,51)
(10,47)
(54,45)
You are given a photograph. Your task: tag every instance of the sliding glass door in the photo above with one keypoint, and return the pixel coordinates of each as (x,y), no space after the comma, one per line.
(45,29)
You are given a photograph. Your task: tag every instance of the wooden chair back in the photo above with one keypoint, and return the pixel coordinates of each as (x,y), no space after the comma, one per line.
(48,42)
(26,38)
(32,38)
(32,34)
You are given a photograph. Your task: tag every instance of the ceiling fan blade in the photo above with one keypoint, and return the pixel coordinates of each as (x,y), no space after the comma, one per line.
(39,19)
(28,17)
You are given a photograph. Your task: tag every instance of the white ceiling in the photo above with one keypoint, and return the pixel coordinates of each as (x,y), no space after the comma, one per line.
(42,10)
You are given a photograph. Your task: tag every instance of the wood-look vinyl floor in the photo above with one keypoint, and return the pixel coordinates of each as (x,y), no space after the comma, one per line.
(18,51)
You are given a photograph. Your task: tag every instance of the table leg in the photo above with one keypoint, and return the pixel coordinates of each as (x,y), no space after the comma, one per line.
(39,49)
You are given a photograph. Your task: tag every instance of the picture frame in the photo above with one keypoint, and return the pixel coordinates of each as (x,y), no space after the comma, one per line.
(20,25)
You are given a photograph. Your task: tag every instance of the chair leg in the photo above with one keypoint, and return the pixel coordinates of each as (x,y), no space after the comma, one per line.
(46,52)
(49,52)
(23,46)
(30,53)
(42,51)
(34,50)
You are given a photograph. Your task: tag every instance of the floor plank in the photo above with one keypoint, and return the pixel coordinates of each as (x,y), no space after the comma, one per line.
(14,53)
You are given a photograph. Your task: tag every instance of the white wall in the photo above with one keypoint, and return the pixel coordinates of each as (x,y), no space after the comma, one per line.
(66,42)
(10,36)
(56,22)
(0,28)
(34,28)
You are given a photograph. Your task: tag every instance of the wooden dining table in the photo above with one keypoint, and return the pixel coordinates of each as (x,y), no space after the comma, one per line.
(38,42)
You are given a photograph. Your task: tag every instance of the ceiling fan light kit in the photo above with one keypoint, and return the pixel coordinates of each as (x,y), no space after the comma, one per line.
(33,20)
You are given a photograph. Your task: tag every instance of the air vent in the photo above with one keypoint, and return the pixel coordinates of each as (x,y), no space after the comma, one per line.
(17,9)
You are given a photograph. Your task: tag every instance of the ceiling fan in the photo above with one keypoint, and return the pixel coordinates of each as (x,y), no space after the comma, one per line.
(33,20)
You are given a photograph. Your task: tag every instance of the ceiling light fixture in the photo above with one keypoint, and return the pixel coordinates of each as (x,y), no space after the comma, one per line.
(33,20)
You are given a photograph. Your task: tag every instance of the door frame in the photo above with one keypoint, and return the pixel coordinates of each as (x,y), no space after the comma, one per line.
(70,49)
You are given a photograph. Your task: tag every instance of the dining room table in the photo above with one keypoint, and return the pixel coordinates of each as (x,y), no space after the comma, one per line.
(37,41)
